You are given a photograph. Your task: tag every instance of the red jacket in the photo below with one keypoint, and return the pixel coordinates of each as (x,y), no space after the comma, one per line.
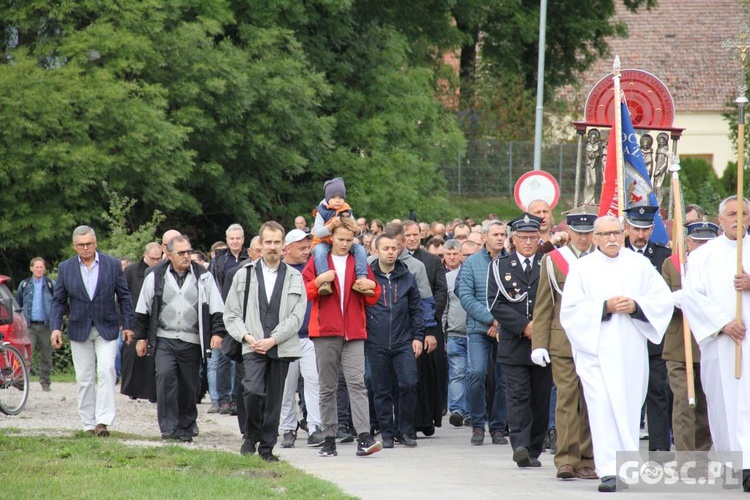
(326,319)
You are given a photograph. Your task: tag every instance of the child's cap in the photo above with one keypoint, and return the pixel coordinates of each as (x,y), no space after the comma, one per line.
(334,187)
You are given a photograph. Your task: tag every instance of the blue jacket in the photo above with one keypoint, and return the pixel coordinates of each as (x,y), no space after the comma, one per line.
(396,319)
(471,288)
(25,297)
(101,311)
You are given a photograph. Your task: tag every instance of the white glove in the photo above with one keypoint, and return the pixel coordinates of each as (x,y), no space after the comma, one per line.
(677,296)
(540,356)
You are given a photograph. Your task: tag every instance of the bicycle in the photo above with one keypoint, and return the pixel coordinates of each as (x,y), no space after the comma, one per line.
(14,379)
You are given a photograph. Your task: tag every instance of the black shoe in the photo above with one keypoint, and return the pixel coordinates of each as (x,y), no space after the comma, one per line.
(477,436)
(344,435)
(170,436)
(195,430)
(248,447)
(233,411)
(456,420)
(302,424)
(366,445)
(388,442)
(407,441)
(534,462)
(289,438)
(552,434)
(521,457)
(315,438)
(186,438)
(269,457)
(498,438)
(329,448)
(608,484)
(427,431)
(467,422)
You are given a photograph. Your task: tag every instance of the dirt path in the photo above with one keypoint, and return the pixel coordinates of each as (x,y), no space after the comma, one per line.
(56,413)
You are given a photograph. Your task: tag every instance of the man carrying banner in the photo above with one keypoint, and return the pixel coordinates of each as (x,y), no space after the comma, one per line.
(549,344)
(689,424)
(709,302)
(613,303)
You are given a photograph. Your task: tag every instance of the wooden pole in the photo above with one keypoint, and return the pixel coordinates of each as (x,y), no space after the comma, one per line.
(742,43)
(617,130)
(679,247)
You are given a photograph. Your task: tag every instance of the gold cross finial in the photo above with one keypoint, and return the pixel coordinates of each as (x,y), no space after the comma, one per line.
(741,43)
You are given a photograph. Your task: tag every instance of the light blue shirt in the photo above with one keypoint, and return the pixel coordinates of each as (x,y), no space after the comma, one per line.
(90,275)
(37,304)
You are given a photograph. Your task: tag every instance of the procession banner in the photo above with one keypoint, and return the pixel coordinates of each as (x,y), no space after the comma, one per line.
(638,188)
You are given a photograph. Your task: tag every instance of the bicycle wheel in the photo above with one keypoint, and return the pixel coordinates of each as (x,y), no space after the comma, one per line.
(14,381)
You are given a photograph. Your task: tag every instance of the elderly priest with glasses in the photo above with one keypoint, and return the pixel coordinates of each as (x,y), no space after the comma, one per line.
(613,303)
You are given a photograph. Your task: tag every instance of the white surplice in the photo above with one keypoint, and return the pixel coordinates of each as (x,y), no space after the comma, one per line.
(709,302)
(611,356)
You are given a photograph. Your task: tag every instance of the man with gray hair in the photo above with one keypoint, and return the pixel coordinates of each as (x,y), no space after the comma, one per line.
(221,386)
(90,286)
(482,339)
(613,303)
(178,321)
(138,374)
(710,301)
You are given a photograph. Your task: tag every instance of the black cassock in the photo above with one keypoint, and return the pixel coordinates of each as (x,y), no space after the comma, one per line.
(432,368)
(138,379)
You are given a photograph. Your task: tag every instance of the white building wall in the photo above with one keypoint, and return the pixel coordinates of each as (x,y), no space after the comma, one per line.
(706,133)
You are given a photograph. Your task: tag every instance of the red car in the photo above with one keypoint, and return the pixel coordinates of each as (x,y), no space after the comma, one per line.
(12,321)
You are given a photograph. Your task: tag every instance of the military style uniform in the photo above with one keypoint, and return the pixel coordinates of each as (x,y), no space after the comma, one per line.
(574,447)
(511,292)
(690,425)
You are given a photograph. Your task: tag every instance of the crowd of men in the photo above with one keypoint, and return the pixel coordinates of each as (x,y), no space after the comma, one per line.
(545,336)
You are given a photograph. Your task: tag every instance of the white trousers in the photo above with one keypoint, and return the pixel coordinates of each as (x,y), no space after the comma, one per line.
(307,366)
(91,358)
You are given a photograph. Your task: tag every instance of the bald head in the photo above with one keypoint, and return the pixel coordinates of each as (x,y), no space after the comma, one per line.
(541,208)
(169,236)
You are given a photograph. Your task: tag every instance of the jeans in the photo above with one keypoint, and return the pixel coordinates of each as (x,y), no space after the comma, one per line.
(220,379)
(118,357)
(481,352)
(389,365)
(320,256)
(457,381)
(552,405)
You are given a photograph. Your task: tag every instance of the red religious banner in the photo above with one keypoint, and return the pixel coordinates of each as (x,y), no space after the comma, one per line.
(649,101)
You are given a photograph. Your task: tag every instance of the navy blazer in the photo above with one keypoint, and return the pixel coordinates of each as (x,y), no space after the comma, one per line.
(101,311)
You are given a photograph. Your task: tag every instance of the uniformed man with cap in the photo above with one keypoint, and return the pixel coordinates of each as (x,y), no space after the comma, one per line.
(690,425)
(639,228)
(550,345)
(511,293)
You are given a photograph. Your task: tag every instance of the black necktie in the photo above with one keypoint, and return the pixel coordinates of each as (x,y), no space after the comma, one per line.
(527,269)
(640,251)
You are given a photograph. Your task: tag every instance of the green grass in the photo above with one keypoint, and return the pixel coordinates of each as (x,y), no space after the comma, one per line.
(85,467)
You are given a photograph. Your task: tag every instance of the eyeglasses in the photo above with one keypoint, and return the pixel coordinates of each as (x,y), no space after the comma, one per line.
(527,239)
(184,253)
(609,234)
(85,245)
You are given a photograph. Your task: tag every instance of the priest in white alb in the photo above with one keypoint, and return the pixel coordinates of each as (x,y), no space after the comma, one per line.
(709,302)
(613,303)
